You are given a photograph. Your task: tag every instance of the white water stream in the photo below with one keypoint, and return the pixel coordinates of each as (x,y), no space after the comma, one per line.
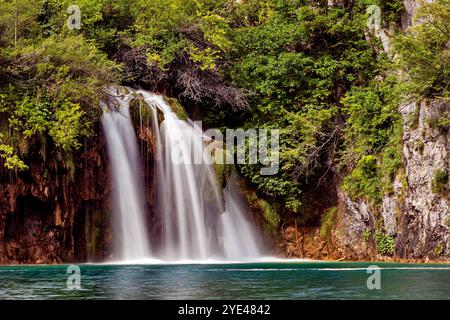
(197,220)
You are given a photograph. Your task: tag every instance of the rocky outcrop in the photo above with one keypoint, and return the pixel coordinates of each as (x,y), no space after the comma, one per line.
(424,227)
(410,9)
(417,213)
(57,210)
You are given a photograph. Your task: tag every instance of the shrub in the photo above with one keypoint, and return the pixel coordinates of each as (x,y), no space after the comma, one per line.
(439,249)
(423,52)
(364,180)
(373,139)
(367,234)
(385,243)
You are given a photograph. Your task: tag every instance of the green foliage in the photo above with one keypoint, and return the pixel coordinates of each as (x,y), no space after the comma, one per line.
(373,137)
(296,59)
(440,181)
(18,21)
(67,126)
(372,117)
(306,67)
(391,10)
(54,83)
(367,234)
(364,180)
(391,161)
(439,249)
(373,178)
(12,161)
(166,29)
(385,243)
(424,52)
(440,122)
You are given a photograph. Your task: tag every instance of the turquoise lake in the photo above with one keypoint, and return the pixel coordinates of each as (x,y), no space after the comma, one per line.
(290,280)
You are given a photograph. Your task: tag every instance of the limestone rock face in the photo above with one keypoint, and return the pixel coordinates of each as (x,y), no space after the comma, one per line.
(424,227)
(355,218)
(408,14)
(410,9)
(51,214)
(415,214)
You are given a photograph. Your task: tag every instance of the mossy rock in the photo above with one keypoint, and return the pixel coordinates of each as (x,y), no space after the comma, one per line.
(95,232)
(327,223)
(440,181)
(439,249)
(140,109)
(222,169)
(270,216)
(177,108)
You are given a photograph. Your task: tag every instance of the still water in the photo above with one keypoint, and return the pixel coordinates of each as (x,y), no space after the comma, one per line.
(288,280)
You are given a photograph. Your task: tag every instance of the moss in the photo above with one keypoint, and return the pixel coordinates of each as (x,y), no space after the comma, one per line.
(364,180)
(270,216)
(140,111)
(439,249)
(440,181)
(251,197)
(177,108)
(95,231)
(366,235)
(222,170)
(328,222)
(267,211)
(221,173)
(374,173)
(402,178)
(125,90)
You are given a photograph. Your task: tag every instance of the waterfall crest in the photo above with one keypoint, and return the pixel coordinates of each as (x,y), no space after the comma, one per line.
(196,219)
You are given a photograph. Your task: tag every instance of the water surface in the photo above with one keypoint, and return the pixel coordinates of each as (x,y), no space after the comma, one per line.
(293,280)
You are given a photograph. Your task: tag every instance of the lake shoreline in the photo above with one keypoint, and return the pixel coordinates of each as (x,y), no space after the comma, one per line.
(276,260)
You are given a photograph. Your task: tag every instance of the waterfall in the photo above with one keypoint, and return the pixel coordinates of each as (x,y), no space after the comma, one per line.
(195,218)
(127,186)
(237,230)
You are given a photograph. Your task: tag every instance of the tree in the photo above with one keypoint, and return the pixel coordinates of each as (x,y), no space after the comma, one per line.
(424,52)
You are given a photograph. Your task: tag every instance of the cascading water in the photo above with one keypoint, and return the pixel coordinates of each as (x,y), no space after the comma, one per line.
(196,219)
(237,230)
(128,196)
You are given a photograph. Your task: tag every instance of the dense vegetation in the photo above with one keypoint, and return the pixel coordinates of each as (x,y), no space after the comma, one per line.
(310,69)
